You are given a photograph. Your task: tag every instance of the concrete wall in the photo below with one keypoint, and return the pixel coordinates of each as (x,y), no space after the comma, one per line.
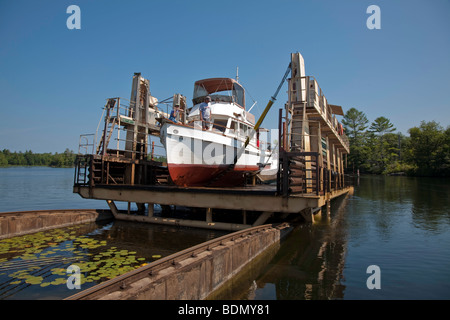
(195,278)
(20,223)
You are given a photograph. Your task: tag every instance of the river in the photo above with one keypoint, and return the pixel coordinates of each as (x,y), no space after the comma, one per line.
(389,240)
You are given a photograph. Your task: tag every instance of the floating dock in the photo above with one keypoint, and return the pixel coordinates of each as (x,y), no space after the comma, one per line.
(312,148)
(14,224)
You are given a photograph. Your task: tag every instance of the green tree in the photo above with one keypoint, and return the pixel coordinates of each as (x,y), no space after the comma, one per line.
(429,149)
(446,153)
(381,126)
(3,160)
(355,124)
(383,151)
(29,158)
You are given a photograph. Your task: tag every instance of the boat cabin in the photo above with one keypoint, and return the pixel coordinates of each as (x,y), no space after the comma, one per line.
(230,91)
(228,114)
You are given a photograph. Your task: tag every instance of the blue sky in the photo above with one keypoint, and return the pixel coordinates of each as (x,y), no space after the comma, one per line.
(54,81)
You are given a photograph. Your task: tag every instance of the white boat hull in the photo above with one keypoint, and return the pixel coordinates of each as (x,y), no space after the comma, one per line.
(202,158)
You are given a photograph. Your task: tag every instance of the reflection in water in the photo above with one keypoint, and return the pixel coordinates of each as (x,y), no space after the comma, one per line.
(430,204)
(400,224)
(305,268)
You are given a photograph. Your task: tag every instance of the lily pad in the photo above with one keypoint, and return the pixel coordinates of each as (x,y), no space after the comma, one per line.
(58,281)
(34,280)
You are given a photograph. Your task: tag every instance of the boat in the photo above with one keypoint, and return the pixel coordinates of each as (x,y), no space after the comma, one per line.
(227,151)
(268,175)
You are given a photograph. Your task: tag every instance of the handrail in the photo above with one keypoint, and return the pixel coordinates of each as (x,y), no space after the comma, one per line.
(242,138)
(85,143)
(317,103)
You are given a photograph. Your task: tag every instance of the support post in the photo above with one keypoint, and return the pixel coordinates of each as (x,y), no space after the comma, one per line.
(209,215)
(151,209)
(140,207)
(262,218)
(112,207)
(279,189)
(308,215)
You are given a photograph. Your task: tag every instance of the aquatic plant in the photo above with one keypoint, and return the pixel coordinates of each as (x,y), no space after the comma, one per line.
(41,259)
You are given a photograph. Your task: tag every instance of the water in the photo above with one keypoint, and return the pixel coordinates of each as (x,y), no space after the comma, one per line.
(34,266)
(400,224)
(41,188)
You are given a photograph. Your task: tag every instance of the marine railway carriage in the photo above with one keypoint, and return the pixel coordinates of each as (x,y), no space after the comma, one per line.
(312,149)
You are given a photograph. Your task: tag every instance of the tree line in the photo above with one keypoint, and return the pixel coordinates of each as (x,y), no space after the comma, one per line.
(28,158)
(59,160)
(374,148)
(378,149)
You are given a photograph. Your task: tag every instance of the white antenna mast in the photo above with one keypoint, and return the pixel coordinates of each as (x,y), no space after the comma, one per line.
(254,104)
(237,74)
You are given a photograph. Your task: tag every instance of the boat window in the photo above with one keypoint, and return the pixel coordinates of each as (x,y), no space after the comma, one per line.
(221,98)
(243,129)
(200,91)
(232,126)
(220,125)
(238,94)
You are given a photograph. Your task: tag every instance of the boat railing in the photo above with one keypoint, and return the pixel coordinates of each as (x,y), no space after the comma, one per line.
(118,115)
(112,166)
(218,128)
(86,143)
(141,152)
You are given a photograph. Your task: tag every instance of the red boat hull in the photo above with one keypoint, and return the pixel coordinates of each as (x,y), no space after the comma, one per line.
(197,175)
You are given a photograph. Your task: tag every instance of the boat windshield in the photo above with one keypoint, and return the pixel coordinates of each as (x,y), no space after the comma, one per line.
(219,89)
